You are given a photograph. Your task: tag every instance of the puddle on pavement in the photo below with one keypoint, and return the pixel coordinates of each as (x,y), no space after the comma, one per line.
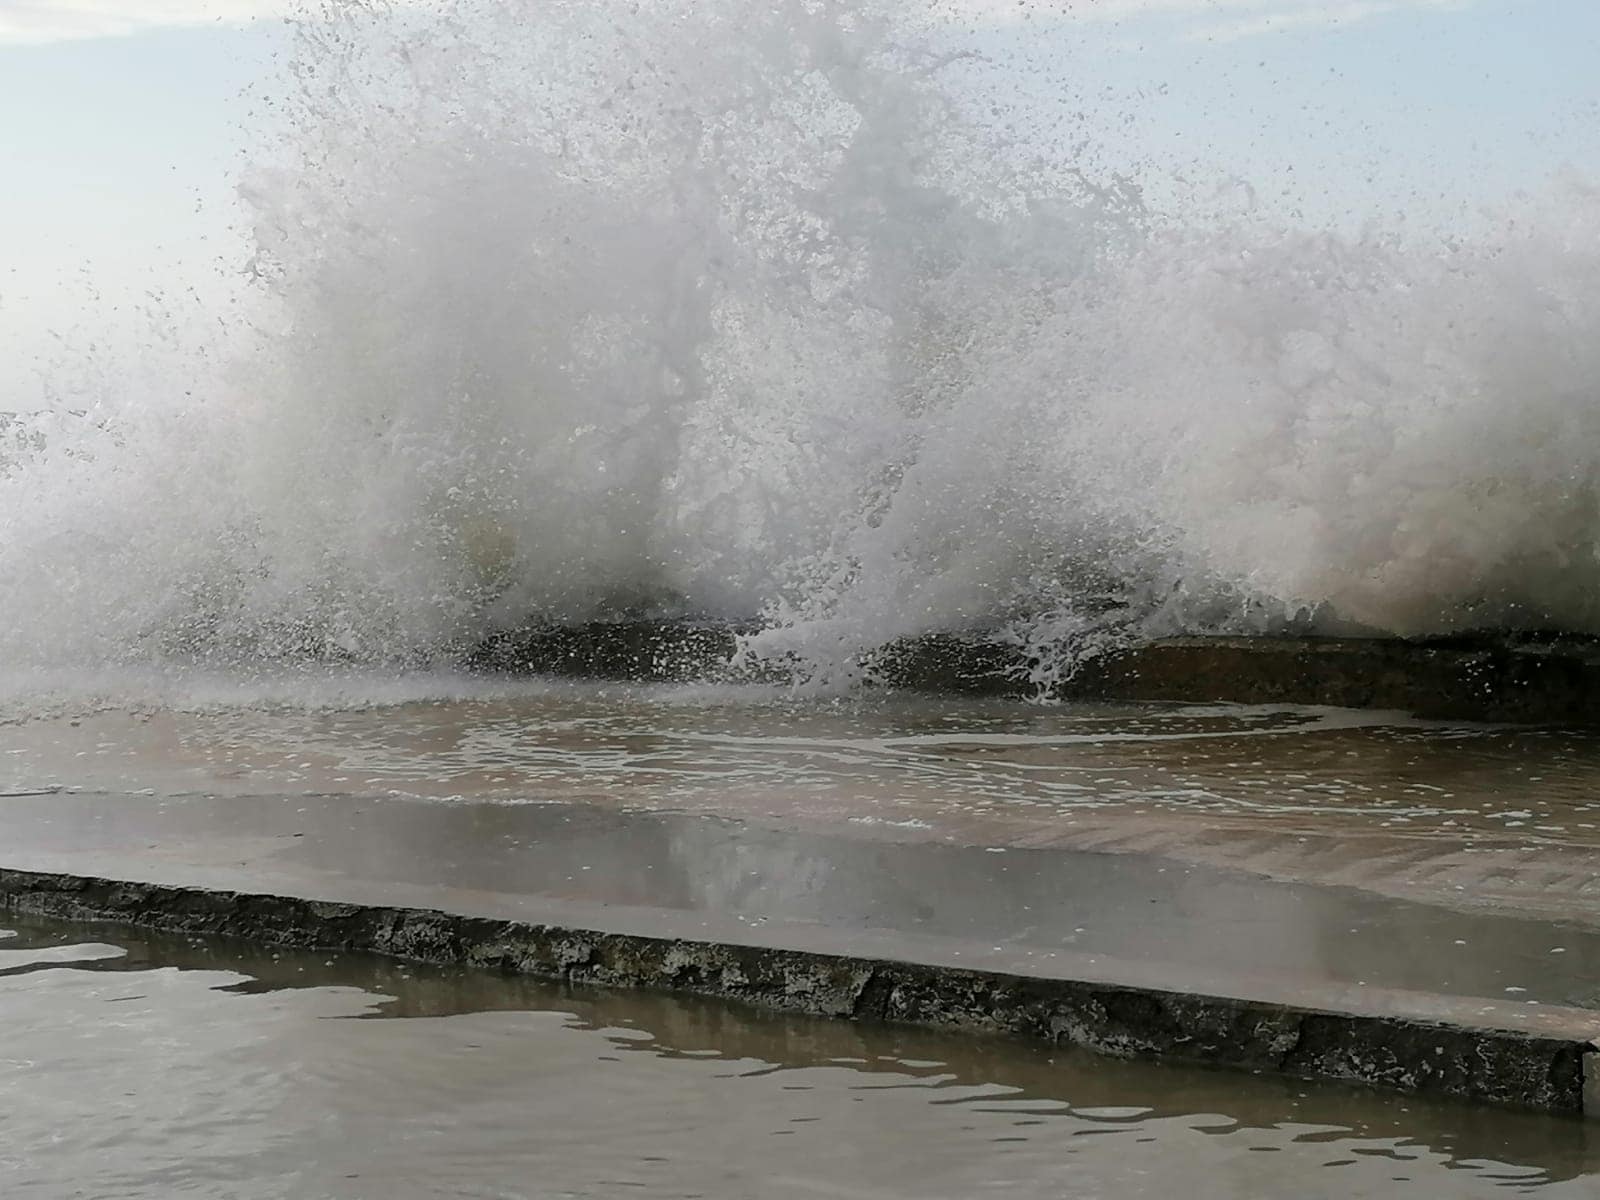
(1486,818)
(1464,859)
(896,760)
(138,1066)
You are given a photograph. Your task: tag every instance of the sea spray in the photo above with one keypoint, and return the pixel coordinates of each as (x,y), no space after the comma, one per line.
(745,312)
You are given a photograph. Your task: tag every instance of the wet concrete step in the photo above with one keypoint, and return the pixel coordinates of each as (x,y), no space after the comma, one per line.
(1129,955)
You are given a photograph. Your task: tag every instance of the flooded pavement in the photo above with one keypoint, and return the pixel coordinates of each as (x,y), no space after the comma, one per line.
(1294,861)
(917,759)
(139,1066)
(1127,918)
(1469,816)
(1302,856)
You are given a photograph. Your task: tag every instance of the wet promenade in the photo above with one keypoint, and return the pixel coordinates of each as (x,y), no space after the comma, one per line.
(1321,859)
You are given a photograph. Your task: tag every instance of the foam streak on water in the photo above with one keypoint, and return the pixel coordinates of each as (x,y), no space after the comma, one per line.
(743,311)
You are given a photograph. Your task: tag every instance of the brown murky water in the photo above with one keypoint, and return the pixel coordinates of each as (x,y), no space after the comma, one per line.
(133,1067)
(1315,768)
(1466,815)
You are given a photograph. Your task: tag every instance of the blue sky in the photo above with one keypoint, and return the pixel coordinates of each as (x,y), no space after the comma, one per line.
(122,132)
(1423,110)
(119,155)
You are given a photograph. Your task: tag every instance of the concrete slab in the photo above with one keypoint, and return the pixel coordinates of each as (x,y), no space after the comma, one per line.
(1129,954)
(1041,912)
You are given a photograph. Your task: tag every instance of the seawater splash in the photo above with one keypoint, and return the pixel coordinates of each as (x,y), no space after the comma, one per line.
(743,311)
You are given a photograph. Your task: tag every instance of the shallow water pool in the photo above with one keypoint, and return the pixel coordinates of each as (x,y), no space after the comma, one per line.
(135,1066)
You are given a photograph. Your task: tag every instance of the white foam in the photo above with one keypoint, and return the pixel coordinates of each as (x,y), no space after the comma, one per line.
(728,308)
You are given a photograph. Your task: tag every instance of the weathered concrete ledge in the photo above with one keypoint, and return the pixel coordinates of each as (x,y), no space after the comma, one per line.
(1540,682)
(1482,678)
(1553,1069)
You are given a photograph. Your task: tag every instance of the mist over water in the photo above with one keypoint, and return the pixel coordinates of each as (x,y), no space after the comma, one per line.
(746,311)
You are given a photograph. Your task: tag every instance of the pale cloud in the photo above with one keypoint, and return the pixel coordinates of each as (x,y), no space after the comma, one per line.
(1281,18)
(1214,20)
(36,22)
(25,22)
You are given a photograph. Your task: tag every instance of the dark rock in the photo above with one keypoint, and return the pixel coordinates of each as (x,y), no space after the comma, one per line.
(1542,679)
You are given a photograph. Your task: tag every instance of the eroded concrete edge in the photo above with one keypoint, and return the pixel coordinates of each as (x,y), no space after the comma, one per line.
(1536,1071)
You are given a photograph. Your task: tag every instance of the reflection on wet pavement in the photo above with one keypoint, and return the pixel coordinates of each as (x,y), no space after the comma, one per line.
(138,1067)
(1130,919)
(1338,768)
(1467,816)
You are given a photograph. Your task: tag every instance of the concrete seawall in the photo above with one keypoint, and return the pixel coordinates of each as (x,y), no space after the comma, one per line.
(1551,1065)
(1498,679)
